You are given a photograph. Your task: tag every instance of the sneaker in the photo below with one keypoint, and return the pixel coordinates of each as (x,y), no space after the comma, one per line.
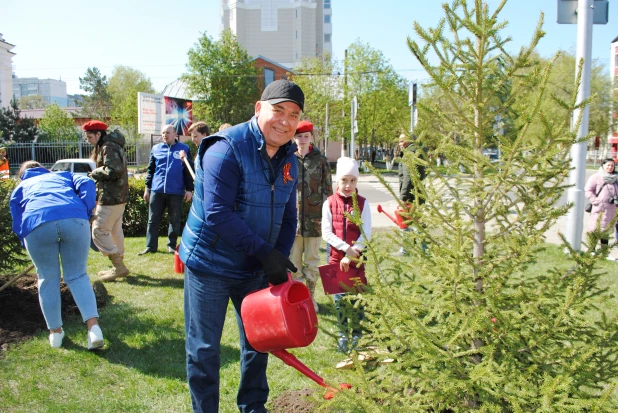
(55,339)
(146,251)
(610,258)
(342,345)
(171,250)
(95,338)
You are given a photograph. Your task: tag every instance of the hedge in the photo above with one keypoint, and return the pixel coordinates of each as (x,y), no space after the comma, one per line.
(136,212)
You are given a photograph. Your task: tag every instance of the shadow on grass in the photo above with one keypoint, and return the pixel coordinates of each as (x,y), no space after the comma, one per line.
(142,280)
(153,346)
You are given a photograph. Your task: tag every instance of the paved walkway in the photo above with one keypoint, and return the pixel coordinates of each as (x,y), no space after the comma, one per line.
(379,220)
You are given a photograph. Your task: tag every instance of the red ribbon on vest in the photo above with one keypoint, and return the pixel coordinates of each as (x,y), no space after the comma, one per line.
(286,173)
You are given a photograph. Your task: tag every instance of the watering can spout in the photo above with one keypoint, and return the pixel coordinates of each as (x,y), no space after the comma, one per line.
(397,219)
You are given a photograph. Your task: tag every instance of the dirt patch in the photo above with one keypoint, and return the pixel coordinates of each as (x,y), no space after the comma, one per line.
(294,401)
(20,312)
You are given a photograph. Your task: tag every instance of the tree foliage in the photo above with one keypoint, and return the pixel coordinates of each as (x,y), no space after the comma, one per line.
(469,327)
(320,81)
(97,104)
(32,102)
(123,87)
(223,79)
(57,125)
(14,129)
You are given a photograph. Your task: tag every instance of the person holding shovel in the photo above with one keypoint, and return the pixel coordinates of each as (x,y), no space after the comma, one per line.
(112,195)
(168,183)
(238,237)
(50,214)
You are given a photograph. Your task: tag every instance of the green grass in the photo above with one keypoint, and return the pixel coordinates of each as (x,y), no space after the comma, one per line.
(142,368)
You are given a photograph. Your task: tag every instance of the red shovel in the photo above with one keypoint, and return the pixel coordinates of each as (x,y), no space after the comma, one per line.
(291,360)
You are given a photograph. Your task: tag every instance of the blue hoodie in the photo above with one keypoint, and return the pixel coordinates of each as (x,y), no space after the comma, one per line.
(43,196)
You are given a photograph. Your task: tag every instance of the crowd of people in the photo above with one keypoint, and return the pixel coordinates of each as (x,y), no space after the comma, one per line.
(261,199)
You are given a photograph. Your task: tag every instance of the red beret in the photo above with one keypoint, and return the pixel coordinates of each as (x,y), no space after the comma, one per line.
(304,126)
(94,125)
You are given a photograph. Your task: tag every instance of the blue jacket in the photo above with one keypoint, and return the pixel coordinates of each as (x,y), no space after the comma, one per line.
(43,196)
(166,172)
(244,203)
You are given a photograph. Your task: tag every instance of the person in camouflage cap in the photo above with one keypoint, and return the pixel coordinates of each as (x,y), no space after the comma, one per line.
(112,195)
(314,187)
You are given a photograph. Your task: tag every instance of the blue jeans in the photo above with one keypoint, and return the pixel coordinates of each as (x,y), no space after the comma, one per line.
(66,240)
(206,300)
(158,202)
(348,316)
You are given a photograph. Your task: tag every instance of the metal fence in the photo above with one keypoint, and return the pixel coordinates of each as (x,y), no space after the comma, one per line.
(47,153)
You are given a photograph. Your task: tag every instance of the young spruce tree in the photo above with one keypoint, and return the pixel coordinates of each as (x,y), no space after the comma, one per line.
(468,326)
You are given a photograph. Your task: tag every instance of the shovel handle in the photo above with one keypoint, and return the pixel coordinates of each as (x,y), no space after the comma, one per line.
(188,167)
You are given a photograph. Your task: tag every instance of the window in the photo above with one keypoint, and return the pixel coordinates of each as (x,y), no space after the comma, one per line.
(296,34)
(269,76)
(296,13)
(327,4)
(327,38)
(81,167)
(327,18)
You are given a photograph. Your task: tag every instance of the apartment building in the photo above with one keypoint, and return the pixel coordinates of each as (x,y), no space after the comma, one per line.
(52,90)
(283,31)
(6,72)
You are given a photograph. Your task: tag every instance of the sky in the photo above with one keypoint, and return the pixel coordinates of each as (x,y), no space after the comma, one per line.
(60,40)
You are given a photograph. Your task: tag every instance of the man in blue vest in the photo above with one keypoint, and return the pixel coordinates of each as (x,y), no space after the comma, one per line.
(168,182)
(238,236)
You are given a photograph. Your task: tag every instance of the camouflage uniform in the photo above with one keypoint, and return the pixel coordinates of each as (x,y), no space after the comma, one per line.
(112,195)
(111,173)
(314,187)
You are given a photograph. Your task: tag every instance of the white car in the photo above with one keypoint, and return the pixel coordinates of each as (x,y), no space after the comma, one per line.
(77,166)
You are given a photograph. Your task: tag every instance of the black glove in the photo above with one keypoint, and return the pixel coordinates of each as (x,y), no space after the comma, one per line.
(275,266)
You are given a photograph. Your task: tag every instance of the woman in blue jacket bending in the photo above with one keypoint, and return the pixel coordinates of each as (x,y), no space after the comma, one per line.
(50,216)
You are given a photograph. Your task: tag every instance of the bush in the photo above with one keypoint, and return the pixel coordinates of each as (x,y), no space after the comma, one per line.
(135,221)
(12,255)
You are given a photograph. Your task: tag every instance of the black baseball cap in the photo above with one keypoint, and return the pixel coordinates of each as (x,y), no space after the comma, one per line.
(284,91)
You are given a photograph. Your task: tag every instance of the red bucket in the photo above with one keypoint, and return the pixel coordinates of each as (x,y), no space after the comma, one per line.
(179,266)
(279,317)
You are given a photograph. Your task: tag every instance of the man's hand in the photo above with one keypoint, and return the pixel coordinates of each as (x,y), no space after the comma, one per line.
(182,155)
(188,196)
(147,195)
(276,266)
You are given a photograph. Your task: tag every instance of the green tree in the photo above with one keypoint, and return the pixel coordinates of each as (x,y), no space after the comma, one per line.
(222,77)
(57,125)
(97,104)
(123,87)
(382,95)
(15,129)
(32,102)
(562,84)
(469,327)
(320,81)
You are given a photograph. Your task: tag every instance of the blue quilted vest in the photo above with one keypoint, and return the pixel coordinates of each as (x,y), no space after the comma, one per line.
(257,204)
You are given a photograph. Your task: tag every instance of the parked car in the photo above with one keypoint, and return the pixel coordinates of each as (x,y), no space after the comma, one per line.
(77,166)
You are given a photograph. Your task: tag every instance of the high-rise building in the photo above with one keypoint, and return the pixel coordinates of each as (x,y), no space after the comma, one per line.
(51,90)
(6,72)
(283,31)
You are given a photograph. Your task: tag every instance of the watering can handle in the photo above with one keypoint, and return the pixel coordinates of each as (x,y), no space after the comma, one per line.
(308,313)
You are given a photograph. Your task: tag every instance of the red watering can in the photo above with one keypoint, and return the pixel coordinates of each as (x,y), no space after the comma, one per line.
(179,266)
(397,219)
(281,317)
